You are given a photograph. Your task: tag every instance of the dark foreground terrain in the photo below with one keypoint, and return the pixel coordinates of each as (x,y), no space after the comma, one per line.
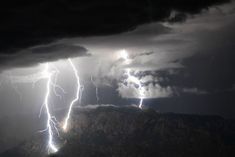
(130,132)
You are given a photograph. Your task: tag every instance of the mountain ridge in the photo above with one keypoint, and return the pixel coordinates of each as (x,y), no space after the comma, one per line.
(129,131)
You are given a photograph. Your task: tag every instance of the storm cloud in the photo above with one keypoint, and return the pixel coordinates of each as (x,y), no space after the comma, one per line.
(181,53)
(176,49)
(194,57)
(28,23)
(40,54)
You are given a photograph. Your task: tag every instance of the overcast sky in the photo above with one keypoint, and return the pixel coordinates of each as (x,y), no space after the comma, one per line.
(181,51)
(184,59)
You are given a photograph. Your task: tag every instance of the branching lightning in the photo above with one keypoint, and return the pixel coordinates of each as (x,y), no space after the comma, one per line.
(133,79)
(55,85)
(51,86)
(51,125)
(51,122)
(77,95)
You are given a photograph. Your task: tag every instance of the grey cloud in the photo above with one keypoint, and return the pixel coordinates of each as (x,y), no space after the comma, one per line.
(211,65)
(21,27)
(171,47)
(40,54)
(150,91)
(147,54)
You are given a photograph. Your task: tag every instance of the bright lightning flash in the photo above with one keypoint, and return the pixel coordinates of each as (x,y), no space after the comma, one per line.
(124,55)
(50,121)
(131,78)
(76,98)
(51,76)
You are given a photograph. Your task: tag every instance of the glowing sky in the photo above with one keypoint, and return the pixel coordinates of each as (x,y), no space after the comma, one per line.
(177,59)
(164,57)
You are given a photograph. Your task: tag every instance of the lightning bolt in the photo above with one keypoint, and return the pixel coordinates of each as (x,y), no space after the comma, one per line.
(133,79)
(76,98)
(34,78)
(55,85)
(96,90)
(51,122)
(51,86)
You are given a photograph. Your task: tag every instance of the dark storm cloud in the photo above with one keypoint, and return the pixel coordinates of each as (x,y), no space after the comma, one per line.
(190,58)
(181,53)
(40,54)
(26,23)
(211,65)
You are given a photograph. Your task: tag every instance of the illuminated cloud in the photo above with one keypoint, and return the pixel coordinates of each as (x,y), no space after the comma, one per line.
(40,54)
(150,91)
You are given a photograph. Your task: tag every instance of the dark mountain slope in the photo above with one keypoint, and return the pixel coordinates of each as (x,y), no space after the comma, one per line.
(122,132)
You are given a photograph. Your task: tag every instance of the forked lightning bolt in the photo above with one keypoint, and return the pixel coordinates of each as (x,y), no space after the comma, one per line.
(133,79)
(51,123)
(51,76)
(76,98)
(51,120)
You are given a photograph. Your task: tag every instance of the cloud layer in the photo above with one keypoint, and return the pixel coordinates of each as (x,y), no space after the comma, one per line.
(28,23)
(40,54)
(193,57)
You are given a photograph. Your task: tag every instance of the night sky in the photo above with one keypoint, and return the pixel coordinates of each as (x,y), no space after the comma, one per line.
(181,50)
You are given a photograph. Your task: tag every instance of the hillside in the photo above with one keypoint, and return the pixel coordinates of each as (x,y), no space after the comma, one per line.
(130,132)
